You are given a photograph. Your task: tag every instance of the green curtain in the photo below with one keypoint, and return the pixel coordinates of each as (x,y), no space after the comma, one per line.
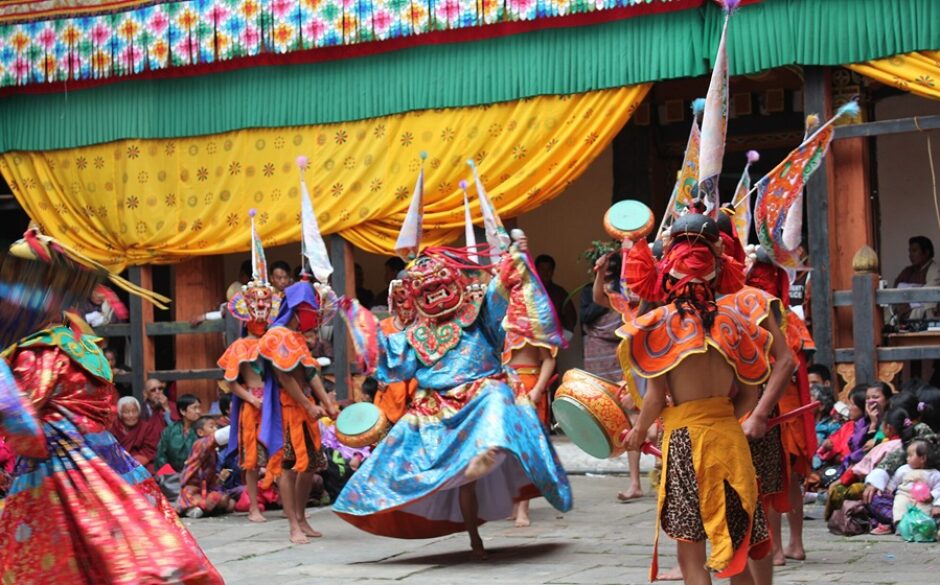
(559,61)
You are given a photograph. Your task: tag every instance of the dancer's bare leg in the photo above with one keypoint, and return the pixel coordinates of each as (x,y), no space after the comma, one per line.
(759,572)
(251,484)
(481,464)
(692,562)
(774,520)
(635,490)
(794,549)
(522,514)
(469,507)
(287,484)
(301,496)
(673,574)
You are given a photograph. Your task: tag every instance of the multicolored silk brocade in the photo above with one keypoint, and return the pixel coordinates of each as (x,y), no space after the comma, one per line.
(88,513)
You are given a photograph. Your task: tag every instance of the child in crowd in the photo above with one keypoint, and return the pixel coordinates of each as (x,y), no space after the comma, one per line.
(919,469)
(833,448)
(201,493)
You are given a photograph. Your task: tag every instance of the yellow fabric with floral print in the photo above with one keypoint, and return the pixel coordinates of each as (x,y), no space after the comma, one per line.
(917,72)
(157,201)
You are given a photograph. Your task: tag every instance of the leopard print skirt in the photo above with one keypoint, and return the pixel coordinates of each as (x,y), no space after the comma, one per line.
(768,457)
(681,516)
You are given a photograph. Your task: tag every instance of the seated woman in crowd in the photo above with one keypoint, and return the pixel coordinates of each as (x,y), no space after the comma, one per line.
(176,441)
(138,437)
(888,438)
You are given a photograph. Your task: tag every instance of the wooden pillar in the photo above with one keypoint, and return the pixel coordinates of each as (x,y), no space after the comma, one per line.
(199,287)
(866,322)
(817,100)
(344,284)
(141,347)
(851,227)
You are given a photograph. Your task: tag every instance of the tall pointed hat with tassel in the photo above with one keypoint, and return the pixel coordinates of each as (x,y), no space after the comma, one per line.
(496,235)
(715,122)
(778,211)
(469,235)
(408,245)
(257,303)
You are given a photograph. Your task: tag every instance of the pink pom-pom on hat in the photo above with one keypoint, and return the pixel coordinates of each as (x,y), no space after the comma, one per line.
(303,162)
(252,212)
(753,156)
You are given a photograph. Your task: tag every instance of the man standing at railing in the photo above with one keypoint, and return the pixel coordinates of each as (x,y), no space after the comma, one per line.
(923,271)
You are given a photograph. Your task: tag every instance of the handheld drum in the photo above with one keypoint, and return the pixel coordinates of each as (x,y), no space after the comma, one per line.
(361,424)
(628,220)
(589,411)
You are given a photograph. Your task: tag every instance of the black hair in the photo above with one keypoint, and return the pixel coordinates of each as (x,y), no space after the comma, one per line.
(905,400)
(614,267)
(298,270)
(184,401)
(245,268)
(369,387)
(225,404)
(825,398)
(857,395)
(928,450)
(280,264)
(913,385)
(201,423)
(821,371)
(900,422)
(928,407)
(396,264)
(924,243)
(545,258)
(886,390)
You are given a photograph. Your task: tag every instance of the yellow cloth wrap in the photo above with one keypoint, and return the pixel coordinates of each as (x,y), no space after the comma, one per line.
(720,454)
(160,201)
(915,72)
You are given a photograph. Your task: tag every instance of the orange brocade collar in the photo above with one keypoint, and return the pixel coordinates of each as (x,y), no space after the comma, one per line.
(660,340)
(286,349)
(243,350)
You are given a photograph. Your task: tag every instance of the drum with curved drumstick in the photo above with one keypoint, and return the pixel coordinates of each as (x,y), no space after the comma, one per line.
(361,424)
(628,220)
(588,410)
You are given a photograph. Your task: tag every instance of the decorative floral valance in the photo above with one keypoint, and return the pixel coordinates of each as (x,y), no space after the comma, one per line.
(49,41)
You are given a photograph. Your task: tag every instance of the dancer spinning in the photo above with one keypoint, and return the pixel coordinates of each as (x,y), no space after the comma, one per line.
(705,494)
(243,369)
(466,449)
(80,510)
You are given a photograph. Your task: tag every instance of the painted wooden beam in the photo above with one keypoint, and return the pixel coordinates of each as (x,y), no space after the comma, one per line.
(883,127)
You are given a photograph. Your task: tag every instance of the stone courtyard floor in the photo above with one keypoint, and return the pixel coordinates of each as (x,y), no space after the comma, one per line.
(600,541)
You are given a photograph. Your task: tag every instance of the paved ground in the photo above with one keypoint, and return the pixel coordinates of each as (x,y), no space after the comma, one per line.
(601,541)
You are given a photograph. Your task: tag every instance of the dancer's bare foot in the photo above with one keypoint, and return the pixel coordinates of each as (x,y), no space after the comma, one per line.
(523,521)
(308,530)
(256,516)
(298,537)
(631,494)
(522,514)
(673,574)
(481,465)
(780,560)
(795,552)
(477,551)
